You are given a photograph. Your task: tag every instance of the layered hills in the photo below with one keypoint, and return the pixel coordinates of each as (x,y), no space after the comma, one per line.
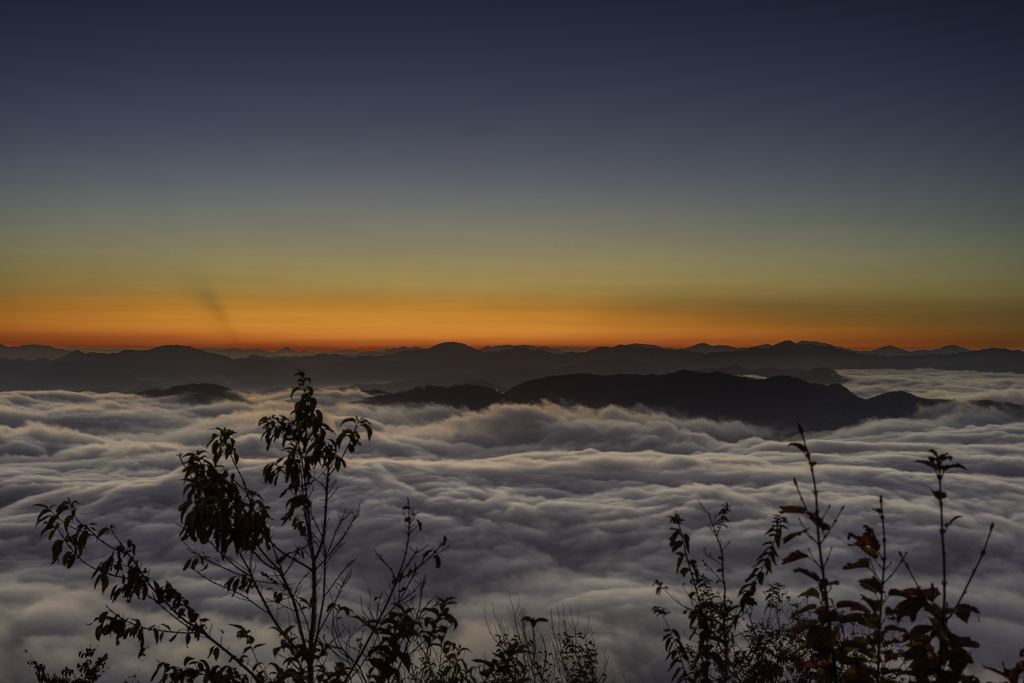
(448,364)
(777,402)
(775,385)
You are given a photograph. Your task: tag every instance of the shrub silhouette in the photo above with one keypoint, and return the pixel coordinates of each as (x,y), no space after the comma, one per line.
(561,650)
(724,641)
(821,639)
(282,557)
(88,670)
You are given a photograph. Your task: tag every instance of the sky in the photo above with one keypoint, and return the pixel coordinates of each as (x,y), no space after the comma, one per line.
(543,506)
(345,176)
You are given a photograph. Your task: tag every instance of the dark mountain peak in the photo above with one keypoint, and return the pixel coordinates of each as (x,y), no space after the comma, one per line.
(1012,408)
(814,375)
(238,353)
(709,348)
(471,396)
(778,402)
(170,350)
(31,352)
(284,349)
(821,344)
(521,347)
(793,384)
(950,348)
(453,348)
(200,393)
(634,351)
(170,353)
(889,351)
(896,352)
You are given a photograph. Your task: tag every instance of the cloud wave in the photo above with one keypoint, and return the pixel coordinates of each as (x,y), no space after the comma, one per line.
(551,505)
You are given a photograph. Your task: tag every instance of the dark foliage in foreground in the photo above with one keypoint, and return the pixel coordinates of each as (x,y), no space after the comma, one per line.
(889,635)
(88,670)
(281,555)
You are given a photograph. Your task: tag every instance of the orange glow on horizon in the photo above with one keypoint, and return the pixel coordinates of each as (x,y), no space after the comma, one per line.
(320,323)
(551,336)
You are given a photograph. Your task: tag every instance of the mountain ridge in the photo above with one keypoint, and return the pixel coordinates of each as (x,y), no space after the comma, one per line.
(778,402)
(454,363)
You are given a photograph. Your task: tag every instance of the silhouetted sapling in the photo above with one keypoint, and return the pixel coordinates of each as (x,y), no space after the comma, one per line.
(280,556)
(888,635)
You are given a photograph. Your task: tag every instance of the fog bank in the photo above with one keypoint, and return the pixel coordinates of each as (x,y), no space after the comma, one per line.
(551,505)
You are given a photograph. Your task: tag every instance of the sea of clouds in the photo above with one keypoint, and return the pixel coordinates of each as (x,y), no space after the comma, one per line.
(543,506)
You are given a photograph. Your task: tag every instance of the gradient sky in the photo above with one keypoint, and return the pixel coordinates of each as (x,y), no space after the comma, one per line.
(411,173)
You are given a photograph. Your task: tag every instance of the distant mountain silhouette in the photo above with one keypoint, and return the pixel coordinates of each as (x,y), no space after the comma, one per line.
(469,396)
(777,402)
(31,352)
(241,353)
(710,348)
(42,374)
(891,351)
(506,347)
(814,375)
(203,393)
(453,363)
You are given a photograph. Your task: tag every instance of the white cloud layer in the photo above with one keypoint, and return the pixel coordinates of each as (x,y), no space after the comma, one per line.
(551,505)
(963,385)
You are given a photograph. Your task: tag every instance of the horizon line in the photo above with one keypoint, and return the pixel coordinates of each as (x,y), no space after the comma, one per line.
(367,348)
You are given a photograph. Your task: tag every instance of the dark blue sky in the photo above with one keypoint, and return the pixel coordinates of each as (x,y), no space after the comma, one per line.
(734,99)
(832,128)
